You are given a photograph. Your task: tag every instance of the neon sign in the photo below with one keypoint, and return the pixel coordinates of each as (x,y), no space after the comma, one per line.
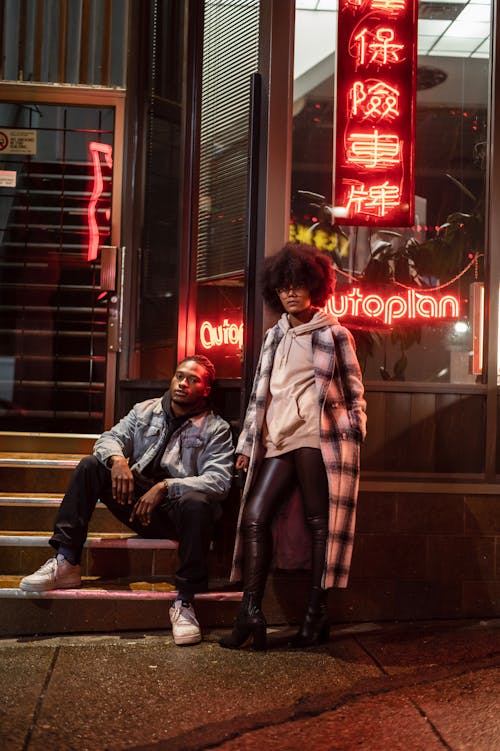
(95,149)
(373,100)
(375,112)
(225,333)
(355,304)
(413,305)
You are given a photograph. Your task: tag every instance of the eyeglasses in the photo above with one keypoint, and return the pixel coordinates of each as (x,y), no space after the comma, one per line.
(299,288)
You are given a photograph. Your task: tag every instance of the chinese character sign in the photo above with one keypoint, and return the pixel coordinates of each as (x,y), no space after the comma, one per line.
(375,112)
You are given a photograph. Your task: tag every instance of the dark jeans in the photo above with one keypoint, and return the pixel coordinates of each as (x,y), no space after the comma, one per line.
(188,520)
(277,477)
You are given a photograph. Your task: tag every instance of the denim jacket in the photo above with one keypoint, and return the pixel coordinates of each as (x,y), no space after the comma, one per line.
(198,456)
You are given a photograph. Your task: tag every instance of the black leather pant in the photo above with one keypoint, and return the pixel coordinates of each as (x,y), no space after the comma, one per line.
(277,477)
(188,520)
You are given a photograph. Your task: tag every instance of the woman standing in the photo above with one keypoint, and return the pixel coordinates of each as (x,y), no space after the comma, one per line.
(303,428)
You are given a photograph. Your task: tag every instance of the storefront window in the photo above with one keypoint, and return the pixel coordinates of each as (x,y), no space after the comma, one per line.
(156,340)
(442,253)
(222,219)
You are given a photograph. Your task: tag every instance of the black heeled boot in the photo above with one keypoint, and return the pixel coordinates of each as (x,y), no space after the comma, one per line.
(250,623)
(315,628)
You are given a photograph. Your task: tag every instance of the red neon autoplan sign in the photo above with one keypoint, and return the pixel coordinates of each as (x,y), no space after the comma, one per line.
(412,305)
(354,305)
(375,112)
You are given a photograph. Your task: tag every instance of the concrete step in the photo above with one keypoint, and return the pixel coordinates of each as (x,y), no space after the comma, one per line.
(140,603)
(105,554)
(43,443)
(105,605)
(23,512)
(22,472)
(111,554)
(128,581)
(40,462)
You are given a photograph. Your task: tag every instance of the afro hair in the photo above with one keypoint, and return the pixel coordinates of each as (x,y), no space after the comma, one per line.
(300,265)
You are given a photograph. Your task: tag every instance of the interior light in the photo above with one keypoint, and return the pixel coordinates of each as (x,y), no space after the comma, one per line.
(476,316)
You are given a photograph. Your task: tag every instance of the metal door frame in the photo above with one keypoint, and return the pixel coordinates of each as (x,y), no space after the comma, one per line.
(87,96)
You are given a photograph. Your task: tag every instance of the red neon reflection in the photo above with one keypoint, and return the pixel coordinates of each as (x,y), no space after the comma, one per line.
(96,149)
(377,47)
(374,150)
(412,305)
(374,100)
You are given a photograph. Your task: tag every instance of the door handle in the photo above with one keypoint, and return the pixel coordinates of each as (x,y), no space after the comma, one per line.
(108,256)
(111,281)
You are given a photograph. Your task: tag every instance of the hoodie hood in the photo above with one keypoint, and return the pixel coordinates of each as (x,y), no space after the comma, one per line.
(293,333)
(318,321)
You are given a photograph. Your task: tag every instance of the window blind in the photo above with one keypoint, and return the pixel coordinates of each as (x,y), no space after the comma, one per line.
(230,56)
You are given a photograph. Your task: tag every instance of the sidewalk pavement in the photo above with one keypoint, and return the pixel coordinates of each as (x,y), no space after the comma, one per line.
(373,687)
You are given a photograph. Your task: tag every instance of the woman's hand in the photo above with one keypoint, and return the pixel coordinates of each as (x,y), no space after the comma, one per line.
(242,462)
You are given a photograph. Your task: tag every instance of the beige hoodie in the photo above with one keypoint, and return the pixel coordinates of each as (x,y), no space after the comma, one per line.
(292,415)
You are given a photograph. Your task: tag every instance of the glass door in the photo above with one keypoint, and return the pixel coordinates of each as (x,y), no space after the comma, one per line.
(55,214)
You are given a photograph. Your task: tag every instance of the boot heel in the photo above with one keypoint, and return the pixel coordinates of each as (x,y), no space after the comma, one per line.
(260,638)
(236,639)
(250,626)
(313,631)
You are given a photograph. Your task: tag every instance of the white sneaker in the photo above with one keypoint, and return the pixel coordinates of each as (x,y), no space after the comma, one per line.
(53,574)
(185,627)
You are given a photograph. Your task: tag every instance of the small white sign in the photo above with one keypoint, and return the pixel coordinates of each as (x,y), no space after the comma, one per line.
(17,141)
(7,178)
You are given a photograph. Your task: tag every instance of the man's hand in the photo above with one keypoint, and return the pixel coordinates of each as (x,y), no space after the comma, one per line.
(122,480)
(242,462)
(146,503)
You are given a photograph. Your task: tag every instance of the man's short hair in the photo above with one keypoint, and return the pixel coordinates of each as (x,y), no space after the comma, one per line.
(204,362)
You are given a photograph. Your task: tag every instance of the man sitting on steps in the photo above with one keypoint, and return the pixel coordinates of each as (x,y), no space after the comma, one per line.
(162,471)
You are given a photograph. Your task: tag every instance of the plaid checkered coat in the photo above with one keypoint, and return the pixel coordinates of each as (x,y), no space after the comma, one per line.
(342,428)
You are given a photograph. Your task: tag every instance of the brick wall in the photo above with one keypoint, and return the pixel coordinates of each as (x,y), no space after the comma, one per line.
(417,556)
(420,556)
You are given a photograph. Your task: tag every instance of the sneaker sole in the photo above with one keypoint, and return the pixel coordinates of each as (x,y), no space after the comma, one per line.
(43,588)
(183,640)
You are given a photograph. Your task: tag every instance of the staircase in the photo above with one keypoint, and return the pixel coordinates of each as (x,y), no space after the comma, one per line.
(53,313)
(128,581)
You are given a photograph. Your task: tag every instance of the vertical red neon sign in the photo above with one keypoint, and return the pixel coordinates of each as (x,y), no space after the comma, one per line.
(375,112)
(96,149)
